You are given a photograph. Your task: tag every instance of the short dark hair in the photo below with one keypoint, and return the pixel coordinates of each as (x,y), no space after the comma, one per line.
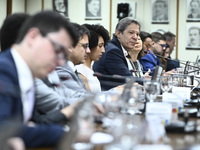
(156,37)
(46,22)
(144,35)
(81,30)
(10,29)
(95,32)
(125,22)
(169,36)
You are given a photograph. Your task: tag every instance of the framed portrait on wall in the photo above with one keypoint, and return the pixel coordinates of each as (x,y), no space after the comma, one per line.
(193,37)
(160,13)
(61,6)
(193,11)
(93,10)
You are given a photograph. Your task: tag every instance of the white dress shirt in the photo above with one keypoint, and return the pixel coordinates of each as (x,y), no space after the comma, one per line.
(93,81)
(131,66)
(26,84)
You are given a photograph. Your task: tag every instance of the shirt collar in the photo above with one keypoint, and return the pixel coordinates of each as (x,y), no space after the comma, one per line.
(24,73)
(124,51)
(71,65)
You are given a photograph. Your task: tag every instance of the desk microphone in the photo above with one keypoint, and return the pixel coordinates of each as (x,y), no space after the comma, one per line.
(186,63)
(126,78)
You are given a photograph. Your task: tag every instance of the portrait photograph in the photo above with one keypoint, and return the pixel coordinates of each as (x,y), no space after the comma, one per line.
(193,11)
(160,13)
(193,37)
(61,6)
(93,10)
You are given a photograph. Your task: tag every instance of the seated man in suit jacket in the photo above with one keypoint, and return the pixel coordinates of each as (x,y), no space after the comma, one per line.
(151,60)
(39,48)
(78,56)
(50,105)
(113,61)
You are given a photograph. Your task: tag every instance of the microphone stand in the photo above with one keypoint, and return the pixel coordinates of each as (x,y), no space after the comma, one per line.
(186,64)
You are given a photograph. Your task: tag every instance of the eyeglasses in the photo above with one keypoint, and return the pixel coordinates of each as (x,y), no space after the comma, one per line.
(163,46)
(147,45)
(59,49)
(85,46)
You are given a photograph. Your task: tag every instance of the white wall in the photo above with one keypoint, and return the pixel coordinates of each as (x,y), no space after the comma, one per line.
(34,6)
(18,6)
(3,8)
(76,11)
(143,14)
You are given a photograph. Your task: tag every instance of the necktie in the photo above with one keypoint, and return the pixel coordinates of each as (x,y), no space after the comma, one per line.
(76,72)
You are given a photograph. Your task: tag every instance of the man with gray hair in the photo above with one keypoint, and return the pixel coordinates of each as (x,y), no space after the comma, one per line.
(113,61)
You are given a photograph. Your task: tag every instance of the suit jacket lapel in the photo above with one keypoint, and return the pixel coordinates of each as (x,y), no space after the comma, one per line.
(74,76)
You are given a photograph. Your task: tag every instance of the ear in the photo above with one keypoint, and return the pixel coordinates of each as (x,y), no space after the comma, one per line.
(32,35)
(117,32)
(153,44)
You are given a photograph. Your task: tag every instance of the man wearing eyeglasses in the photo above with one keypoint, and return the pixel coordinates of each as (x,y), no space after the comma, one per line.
(39,48)
(78,56)
(151,59)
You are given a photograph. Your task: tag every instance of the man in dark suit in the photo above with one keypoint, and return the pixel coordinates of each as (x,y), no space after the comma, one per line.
(170,40)
(78,56)
(150,60)
(113,61)
(39,47)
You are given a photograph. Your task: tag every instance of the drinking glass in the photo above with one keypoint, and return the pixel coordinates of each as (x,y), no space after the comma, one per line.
(152,89)
(165,83)
(135,102)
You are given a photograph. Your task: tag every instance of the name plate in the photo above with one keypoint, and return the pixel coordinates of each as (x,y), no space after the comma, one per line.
(153,146)
(174,99)
(182,92)
(159,109)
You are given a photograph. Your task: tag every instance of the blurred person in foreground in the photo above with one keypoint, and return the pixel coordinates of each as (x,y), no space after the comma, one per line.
(38,38)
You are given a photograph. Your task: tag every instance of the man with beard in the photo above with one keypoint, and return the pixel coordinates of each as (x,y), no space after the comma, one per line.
(150,60)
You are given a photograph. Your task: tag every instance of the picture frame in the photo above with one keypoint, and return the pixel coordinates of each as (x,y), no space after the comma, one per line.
(193,37)
(193,11)
(93,10)
(160,11)
(61,6)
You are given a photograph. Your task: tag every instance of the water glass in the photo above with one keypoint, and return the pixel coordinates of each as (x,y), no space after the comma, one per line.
(152,89)
(165,83)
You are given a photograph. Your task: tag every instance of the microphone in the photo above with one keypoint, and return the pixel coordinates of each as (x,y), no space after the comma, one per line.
(115,80)
(97,74)
(186,63)
(126,78)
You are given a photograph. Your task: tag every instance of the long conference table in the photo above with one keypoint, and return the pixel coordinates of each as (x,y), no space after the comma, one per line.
(178,141)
